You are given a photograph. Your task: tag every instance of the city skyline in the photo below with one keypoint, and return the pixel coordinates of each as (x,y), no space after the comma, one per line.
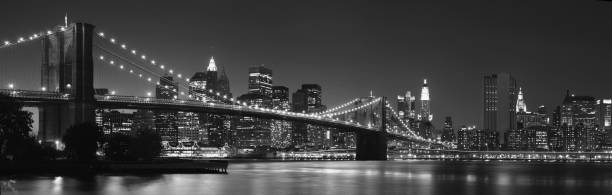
(316,60)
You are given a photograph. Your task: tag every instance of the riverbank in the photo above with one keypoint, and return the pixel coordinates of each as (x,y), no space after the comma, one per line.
(64,167)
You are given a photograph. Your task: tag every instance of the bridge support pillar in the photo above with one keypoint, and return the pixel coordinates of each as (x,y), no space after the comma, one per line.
(371,146)
(67,68)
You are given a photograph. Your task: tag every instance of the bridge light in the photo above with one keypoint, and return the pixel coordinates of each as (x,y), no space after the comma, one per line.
(133,51)
(140,75)
(162,66)
(62,29)
(99,34)
(112,92)
(112,62)
(11,85)
(101,57)
(171,71)
(131,71)
(218,94)
(68,86)
(121,67)
(143,57)
(49,32)
(152,61)
(224,96)
(35,35)
(43,88)
(179,75)
(112,40)
(20,40)
(7,42)
(123,46)
(148,94)
(149,79)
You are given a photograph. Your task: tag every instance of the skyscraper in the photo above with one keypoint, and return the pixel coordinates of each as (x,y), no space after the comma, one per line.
(308,100)
(425,113)
(260,81)
(167,88)
(521,106)
(448,133)
(604,113)
(281,130)
(500,98)
(166,121)
(579,123)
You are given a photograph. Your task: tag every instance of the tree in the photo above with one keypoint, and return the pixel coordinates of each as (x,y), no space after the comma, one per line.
(15,127)
(146,145)
(117,147)
(81,141)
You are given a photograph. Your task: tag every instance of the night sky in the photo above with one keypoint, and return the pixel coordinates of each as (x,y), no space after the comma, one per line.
(353,47)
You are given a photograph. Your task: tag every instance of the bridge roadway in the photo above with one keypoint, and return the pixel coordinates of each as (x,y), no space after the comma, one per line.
(133,102)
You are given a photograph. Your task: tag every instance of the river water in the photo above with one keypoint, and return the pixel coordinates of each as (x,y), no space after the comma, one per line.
(344,178)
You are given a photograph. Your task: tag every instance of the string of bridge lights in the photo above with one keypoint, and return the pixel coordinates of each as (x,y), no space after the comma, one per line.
(167,69)
(34,36)
(339,107)
(163,67)
(401,121)
(416,136)
(141,75)
(353,109)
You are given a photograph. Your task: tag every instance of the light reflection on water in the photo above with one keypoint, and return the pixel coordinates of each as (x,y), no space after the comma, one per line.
(345,177)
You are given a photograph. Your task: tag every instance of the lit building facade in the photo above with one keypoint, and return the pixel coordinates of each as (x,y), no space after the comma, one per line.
(166,121)
(425,112)
(579,123)
(448,133)
(500,97)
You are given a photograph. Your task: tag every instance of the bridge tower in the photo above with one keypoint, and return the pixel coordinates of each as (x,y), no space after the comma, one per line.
(373,145)
(67,68)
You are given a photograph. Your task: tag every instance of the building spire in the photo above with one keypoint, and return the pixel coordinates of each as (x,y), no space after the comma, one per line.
(521,106)
(66,20)
(211,65)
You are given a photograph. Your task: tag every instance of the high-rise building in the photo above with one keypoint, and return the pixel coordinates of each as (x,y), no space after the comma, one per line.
(254,132)
(308,100)
(165,120)
(281,130)
(223,85)
(521,106)
(448,134)
(500,97)
(115,121)
(579,123)
(604,117)
(260,81)
(167,88)
(406,107)
(425,112)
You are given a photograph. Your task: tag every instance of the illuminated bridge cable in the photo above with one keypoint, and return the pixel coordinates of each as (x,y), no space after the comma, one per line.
(220,97)
(155,73)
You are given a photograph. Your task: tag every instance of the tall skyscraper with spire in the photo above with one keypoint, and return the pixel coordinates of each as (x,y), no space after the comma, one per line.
(521,106)
(425,112)
(500,97)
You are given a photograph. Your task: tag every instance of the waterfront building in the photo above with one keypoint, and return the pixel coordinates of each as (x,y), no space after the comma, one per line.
(579,123)
(500,97)
(471,138)
(115,121)
(166,121)
(280,130)
(604,118)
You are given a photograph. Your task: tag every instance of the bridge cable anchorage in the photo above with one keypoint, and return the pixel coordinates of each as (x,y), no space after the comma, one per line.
(219,96)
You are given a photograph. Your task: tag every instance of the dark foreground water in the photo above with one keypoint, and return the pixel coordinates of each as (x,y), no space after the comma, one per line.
(344,178)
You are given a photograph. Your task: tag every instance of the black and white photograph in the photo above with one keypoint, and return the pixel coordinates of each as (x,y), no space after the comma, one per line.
(276,97)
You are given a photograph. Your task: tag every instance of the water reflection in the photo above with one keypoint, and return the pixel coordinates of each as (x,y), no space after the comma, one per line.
(346,177)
